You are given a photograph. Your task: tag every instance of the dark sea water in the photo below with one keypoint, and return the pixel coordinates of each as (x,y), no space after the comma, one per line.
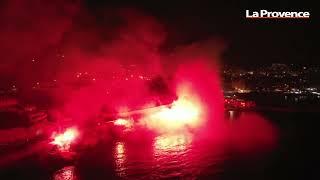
(291,155)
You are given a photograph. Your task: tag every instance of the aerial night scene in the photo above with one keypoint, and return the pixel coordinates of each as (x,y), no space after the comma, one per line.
(133,89)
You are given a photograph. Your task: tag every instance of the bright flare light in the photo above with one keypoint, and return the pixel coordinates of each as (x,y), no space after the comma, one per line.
(181,112)
(187,111)
(64,140)
(123,122)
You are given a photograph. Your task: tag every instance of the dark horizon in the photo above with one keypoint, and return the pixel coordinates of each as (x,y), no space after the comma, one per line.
(249,41)
(93,24)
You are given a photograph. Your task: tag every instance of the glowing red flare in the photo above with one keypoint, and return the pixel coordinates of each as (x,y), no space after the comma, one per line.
(64,140)
(123,122)
(186,111)
(182,110)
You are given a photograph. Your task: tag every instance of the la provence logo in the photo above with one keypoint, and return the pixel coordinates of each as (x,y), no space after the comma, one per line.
(265,14)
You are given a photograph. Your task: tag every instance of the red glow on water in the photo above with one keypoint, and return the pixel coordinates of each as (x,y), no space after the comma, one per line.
(172,143)
(66,173)
(120,158)
(251,131)
(65,139)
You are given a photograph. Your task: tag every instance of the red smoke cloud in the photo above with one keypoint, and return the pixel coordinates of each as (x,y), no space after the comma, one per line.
(30,28)
(117,71)
(104,66)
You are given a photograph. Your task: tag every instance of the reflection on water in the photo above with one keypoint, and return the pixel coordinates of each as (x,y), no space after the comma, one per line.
(172,151)
(66,173)
(158,159)
(180,155)
(232,115)
(120,158)
(188,155)
(172,143)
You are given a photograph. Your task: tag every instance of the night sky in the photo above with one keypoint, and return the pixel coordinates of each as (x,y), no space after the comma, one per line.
(41,30)
(250,42)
